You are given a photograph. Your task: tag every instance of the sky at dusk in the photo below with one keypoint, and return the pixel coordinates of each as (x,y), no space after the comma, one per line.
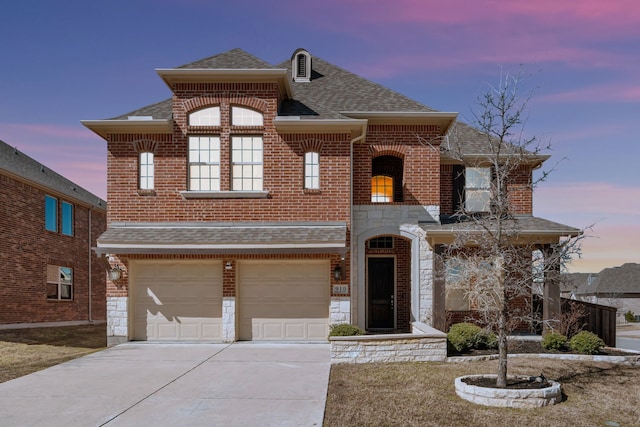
(62,62)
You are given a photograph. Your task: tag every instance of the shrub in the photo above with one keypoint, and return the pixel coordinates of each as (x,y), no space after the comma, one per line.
(344,330)
(586,342)
(629,316)
(467,336)
(554,341)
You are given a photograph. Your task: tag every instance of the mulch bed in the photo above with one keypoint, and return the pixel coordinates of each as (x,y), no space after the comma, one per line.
(534,383)
(532,347)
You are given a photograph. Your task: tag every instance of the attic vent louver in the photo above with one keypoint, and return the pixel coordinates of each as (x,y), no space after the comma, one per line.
(301,66)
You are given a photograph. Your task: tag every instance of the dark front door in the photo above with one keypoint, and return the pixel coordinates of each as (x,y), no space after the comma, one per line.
(381,289)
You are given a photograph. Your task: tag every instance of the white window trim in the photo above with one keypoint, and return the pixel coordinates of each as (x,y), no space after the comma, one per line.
(309,166)
(209,116)
(250,163)
(59,283)
(190,163)
(147,171)
(241,116)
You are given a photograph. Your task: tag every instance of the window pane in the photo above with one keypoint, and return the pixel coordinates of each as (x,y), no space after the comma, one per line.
(478,178)
(312,170)
(204,163)
(205,117)
(52,273)
(146,171)
(245,117)
(66,275)
(51,213)
(382,189)
(477,201)
(67,218)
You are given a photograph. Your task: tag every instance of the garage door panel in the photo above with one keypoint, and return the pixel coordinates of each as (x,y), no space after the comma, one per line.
(284,300)
(178,301)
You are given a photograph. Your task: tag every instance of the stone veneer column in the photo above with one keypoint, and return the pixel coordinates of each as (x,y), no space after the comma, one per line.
(228,319)
(340,310)
(117,320)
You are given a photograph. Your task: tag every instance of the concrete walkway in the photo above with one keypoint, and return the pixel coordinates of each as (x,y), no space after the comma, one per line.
(140,384)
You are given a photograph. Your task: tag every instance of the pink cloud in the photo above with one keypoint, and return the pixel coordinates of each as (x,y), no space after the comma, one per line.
(609,246)
(615,92)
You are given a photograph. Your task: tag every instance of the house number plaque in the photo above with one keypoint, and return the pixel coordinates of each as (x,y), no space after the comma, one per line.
(340,289)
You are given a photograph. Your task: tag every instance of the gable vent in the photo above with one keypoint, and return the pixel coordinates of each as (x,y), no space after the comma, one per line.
(301,66)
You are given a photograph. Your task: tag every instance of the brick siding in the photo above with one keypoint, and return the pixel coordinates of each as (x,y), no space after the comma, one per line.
(26,248)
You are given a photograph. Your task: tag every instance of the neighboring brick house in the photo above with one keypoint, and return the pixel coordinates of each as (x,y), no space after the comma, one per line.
(48,226)
(266,202)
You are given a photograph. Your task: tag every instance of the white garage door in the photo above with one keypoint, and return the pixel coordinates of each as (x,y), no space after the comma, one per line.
(283,300)
(177,300)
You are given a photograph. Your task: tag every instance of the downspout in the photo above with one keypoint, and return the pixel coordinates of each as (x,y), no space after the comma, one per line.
(362,135)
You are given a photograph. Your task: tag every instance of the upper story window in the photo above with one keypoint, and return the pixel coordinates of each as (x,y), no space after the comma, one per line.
(246,163)
(301,66)
(146,171)
(381,189)
(312,170)
(66,218)
(245,117)
(477,189)
(209,116)
(386,181)
(51,216)
(59,282)
(51,213)
(204,163)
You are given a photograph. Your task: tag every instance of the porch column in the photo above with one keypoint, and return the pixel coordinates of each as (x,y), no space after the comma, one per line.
(551,294)
(439,311)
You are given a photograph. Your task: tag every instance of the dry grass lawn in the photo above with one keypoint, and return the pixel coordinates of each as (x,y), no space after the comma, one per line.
(23,351)
(422,394)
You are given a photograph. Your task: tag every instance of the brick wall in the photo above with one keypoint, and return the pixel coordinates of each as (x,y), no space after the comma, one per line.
(421,180)
(26,248)
(283,165)
(519,189)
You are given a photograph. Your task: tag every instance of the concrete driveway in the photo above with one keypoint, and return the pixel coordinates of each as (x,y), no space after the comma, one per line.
(140,384)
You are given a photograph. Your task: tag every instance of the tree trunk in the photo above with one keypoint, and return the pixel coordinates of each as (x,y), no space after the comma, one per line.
(502,349)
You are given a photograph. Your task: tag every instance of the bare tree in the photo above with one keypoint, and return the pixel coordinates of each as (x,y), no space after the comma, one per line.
(489,264)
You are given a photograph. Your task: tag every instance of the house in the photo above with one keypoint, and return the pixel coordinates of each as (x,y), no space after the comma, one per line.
(617,287)
(48,226)
(266,202)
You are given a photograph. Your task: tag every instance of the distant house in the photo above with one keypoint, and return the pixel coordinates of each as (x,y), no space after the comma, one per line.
(48,226)
(616,287)
(266,202)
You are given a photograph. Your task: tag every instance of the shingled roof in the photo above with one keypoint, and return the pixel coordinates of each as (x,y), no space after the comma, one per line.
(614,282)
(331,92)
(18,165)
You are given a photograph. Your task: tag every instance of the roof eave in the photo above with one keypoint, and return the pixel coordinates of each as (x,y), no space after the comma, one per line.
(296,125)
(227,75)
(106,127)
(443,119)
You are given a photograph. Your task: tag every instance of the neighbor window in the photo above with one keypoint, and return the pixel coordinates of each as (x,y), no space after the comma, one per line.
(245,117)
(206,117)
(146,171)
(456,295)
(204,163)
(381,189)
(51,213)
(66,218)
(59,282)
(312,170)
(246,162)
(477,189)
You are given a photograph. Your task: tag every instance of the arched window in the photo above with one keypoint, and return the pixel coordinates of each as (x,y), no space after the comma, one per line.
(209,116)
(312,170)
(245,117)
(386,181)
(381,189)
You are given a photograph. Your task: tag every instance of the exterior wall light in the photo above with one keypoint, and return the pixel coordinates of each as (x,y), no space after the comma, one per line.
(337,272)
(115,273)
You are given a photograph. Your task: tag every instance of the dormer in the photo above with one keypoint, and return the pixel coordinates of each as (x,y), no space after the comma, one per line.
(301,66)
